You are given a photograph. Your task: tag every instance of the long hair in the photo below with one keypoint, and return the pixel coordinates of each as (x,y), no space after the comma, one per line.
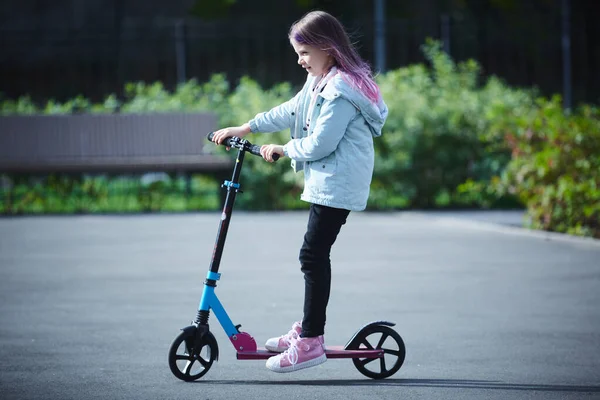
(324,31)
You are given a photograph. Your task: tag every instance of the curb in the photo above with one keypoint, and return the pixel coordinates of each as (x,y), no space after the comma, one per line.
(515,230)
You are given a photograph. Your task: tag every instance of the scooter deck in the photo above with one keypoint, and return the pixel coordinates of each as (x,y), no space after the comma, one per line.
(330,352)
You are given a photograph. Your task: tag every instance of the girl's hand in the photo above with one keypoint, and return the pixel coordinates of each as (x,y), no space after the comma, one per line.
(239,131)
(267,151)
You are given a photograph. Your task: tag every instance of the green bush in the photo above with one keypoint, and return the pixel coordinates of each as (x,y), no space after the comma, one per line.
(555,166)
(60,194)
(432,152)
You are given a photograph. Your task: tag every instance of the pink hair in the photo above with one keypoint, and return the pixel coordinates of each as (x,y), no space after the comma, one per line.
(324,31)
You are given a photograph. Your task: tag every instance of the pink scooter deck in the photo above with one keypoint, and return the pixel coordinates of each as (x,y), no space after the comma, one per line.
(330,352)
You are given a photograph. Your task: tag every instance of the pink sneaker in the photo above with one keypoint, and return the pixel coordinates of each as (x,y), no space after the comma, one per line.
(282,343)
(302,353)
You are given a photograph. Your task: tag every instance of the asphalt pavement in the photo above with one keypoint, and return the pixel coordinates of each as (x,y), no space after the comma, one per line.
(89,306)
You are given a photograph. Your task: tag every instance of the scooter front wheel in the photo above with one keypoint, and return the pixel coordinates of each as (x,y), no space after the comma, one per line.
(187,363)
(379,337)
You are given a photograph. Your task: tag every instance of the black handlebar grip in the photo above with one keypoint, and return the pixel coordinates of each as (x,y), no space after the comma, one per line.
(226,142)
(255,149)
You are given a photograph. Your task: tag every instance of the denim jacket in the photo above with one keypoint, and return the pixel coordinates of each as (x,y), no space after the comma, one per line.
(336,150)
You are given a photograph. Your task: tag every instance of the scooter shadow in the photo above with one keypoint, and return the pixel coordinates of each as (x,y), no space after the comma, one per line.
(427,383)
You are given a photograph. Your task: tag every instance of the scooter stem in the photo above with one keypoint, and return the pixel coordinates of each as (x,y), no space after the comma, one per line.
(233,187)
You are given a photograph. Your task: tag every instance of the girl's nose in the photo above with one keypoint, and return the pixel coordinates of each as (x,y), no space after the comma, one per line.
(299,60)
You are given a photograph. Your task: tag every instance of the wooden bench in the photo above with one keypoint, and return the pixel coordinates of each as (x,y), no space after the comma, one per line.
(109,143)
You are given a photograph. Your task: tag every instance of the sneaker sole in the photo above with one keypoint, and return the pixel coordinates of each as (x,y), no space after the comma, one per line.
(306,364)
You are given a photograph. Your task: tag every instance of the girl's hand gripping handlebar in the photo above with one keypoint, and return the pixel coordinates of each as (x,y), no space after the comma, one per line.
(242,144)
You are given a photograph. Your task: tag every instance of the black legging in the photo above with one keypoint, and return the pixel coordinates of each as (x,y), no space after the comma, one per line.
(324,224)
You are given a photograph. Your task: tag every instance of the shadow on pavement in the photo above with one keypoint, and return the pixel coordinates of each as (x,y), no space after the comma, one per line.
(430,383)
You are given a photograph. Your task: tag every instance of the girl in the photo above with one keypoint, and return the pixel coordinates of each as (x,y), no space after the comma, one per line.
(333,120)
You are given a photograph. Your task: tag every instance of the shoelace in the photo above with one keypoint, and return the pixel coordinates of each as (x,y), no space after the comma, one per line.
(292,352)
(292,334)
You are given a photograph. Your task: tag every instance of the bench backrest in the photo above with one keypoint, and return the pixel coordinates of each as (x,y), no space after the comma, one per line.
(108,143)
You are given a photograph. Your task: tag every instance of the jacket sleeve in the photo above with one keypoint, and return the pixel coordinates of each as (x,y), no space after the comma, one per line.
(277,119)
(329,129)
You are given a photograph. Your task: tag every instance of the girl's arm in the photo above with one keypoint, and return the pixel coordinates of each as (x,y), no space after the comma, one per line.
(277,119)
(330,127)
(224,133)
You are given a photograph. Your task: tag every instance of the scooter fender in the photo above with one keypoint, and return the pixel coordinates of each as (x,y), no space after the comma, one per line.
(350,343)
(206,336)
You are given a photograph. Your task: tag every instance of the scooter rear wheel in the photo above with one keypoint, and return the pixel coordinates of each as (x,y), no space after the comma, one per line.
(187,364)
(379,337)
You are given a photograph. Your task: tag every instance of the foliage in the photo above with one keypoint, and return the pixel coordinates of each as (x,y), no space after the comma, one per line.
(555,166)
(189,97)
(432,142)
(22,106)
(59,194)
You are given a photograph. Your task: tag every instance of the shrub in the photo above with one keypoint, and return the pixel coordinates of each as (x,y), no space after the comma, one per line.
(61,194)
(555,166)
(432,142)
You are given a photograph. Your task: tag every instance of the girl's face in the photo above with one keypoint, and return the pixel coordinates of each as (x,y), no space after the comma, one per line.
(314,60)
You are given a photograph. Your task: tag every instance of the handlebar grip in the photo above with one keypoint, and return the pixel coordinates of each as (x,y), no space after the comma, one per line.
(226,142)
(255,149)
(252,148)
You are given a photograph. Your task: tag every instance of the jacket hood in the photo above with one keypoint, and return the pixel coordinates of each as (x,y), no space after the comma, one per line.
(374,114)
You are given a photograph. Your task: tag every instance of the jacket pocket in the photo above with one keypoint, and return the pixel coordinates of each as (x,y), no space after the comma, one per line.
(321,175)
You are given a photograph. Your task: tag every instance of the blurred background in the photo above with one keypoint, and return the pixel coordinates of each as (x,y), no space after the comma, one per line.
(65,48)
(493,103)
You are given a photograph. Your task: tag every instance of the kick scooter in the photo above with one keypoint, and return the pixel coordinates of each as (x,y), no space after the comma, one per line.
(376,349)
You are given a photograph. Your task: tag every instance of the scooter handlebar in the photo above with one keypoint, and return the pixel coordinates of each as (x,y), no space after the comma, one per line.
(227,142)
(249,147)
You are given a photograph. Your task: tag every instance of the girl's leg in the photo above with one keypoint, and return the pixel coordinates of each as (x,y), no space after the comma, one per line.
(324,224)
